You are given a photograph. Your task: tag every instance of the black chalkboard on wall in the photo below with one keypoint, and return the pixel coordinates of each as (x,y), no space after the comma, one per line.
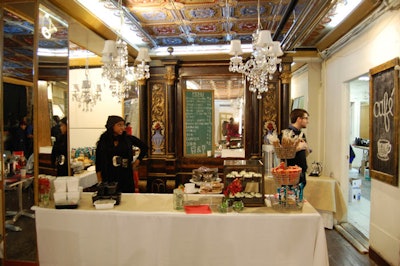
(384,122)
(198,122)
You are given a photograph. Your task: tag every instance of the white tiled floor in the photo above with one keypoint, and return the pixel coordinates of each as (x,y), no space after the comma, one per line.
(359,210)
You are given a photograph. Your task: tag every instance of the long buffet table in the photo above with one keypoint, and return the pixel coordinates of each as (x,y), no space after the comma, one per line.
(145,230)
(324,194)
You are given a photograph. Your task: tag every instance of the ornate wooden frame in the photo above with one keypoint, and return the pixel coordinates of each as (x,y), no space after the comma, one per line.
(384,122)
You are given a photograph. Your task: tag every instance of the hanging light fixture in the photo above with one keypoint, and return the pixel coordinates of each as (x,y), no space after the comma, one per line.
(85,96)
(48,27)
(141,70)
(263,61)
(115,58)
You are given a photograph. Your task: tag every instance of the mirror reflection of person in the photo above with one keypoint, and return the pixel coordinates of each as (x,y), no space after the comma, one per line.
(59,152)
(115,155)
(128,128)
(55,129)
(232,129)
(19,138)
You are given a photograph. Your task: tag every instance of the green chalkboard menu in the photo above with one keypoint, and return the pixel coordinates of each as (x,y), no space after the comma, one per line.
(198,122)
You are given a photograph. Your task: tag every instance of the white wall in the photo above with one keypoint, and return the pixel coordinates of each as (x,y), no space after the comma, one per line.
(307,82)
(376,45)
(85,128)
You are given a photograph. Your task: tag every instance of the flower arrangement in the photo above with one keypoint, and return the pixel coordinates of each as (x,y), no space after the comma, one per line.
(234,187)
(157,125)
(44,185)
(44,190)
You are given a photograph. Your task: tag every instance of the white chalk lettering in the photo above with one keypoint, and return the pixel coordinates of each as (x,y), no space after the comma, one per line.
(384,109)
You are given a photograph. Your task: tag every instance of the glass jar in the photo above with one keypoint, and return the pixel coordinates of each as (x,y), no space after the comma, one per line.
(178,199)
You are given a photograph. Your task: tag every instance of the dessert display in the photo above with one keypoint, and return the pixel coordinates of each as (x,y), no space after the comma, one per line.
(207,180)
(204,174)
(82,158)
(244,180)
(289,195)
(214,187)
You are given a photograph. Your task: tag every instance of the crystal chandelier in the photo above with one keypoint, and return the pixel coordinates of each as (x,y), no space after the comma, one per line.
(263,61)
(86,97)
(116,70)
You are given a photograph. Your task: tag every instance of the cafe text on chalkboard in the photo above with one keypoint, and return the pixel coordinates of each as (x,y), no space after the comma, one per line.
(384,122)
(198,122)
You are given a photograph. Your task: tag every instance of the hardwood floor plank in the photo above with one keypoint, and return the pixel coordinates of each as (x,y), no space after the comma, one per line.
(342,253)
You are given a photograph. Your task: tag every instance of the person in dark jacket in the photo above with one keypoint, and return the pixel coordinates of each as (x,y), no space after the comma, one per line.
(19,138)
(299,120)
(115,155)
(59,153)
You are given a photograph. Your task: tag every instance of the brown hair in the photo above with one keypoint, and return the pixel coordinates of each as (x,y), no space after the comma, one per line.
(297,113)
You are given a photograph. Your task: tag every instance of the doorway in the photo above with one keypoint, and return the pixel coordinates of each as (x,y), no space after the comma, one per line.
(360,183)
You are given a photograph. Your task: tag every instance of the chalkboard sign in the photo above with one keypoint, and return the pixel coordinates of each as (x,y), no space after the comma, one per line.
(198,122)
(384,122)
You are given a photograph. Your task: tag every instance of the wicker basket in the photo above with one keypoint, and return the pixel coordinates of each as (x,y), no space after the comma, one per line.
(285,178)
(285,152)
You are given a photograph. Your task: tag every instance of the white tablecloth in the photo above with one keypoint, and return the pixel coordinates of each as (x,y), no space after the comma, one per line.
(324,194)
(145,230)
(87,179)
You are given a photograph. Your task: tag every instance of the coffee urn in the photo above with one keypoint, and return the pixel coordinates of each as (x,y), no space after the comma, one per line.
(269,158)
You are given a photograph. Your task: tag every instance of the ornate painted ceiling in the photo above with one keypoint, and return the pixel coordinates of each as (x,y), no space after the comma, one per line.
(192,22)
(302,27)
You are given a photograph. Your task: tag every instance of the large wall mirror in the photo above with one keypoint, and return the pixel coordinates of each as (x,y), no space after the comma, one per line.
(52,54)
(33,88)
(228,101)
(18,114)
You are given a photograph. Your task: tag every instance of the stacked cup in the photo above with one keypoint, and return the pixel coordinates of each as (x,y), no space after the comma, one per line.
(73,193)
(66,191)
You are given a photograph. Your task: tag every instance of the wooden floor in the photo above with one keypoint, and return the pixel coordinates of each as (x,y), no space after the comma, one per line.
(342,253)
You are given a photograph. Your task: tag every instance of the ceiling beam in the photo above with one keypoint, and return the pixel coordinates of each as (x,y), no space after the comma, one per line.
(362,11)
(84,17)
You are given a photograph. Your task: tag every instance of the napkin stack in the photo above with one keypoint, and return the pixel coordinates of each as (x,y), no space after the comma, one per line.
(66,190)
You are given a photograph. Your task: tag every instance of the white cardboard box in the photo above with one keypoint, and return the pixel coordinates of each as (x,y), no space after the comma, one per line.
(355,182)
(354,194)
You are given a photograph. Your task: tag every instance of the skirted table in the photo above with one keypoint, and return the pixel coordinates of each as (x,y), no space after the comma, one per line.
(324,194)
(87,178)
(145,230)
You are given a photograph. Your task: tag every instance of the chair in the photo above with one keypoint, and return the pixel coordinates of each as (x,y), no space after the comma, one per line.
(158,186)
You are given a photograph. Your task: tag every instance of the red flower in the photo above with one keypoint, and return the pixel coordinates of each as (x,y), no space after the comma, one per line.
(44,185)
(157,126)
(234,187)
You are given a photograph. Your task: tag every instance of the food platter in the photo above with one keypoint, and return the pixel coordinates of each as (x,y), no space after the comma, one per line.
(201,183)
(202,191)
(211,188)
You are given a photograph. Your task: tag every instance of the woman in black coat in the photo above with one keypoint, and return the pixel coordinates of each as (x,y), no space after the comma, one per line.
(115,153)
(59,153)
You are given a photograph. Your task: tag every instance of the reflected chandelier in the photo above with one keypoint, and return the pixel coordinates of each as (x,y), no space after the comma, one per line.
(263,61)
(116,69)
(85,96)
